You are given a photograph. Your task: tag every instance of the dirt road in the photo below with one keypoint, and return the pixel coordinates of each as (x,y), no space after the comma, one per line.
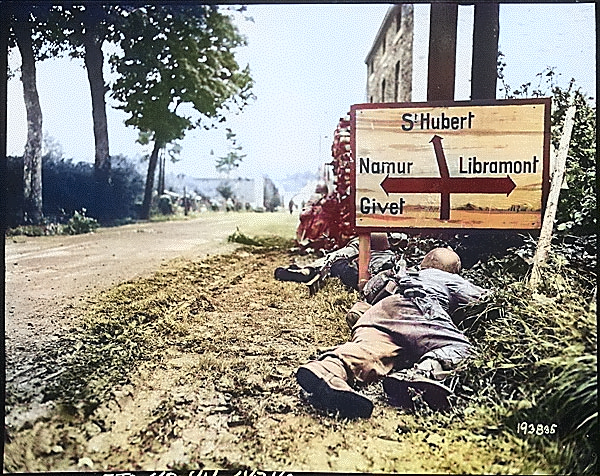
(43,273)
(47,276)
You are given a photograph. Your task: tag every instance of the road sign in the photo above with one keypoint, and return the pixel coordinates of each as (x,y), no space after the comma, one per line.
(463,165)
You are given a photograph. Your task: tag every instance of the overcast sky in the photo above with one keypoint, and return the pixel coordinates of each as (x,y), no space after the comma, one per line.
(308,65)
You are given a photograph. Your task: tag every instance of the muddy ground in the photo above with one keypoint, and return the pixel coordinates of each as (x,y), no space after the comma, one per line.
(188,361)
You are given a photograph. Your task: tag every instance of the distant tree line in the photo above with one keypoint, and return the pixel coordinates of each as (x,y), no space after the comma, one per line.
(168,55)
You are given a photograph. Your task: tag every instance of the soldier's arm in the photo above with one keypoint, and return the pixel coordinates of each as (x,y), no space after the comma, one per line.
(465,292)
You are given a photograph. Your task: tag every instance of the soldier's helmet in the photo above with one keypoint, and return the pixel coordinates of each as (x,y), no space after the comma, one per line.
(442,258)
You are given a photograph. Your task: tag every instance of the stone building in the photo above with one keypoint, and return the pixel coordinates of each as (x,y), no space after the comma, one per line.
(389,62)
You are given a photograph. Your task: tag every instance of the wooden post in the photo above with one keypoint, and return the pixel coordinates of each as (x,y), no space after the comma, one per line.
(442,51)
(543,246)
(441,68)
(364,256)
(484,72)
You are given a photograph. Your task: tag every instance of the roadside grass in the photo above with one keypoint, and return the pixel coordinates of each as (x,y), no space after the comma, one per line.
(248,333)
(78,224)
(537,360)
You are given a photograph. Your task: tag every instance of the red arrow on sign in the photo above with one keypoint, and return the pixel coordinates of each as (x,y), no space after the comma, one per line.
(448,185)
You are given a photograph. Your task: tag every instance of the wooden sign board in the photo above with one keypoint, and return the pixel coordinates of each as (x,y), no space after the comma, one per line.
(460,165)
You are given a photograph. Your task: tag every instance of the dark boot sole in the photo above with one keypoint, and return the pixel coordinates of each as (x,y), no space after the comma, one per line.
(295,275)
(433,393)
(348,404)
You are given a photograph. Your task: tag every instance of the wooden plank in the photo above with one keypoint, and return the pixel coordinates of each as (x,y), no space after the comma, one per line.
(364,256)
(442,51)
(545,239)
(489,157)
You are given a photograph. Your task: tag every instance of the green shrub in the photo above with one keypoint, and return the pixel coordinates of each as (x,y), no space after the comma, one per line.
(80,224)
(537,349)
(45,229)
(577,209)
(69,186)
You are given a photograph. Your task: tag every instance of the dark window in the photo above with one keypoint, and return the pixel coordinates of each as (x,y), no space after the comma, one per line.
(383,41)
(383,91)
(398,19)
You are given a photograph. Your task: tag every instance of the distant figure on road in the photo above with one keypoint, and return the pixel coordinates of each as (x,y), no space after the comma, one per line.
(409,329)
(292,205)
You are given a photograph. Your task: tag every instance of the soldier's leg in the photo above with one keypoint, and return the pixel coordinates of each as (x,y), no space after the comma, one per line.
(426,378)
(326,380)
(369,357)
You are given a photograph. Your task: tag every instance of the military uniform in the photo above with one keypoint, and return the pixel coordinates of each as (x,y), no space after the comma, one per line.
(411,324)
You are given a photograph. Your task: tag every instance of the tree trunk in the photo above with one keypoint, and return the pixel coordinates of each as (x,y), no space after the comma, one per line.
(161,173)
(32,158)
(94,61)
(146,204)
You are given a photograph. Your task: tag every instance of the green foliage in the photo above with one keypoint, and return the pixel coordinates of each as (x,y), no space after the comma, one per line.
(225,191)
(46,228)
(69,186)
(537,350)
(577,210)
(70,26)
(79,223)
(176,58)
(233,158)
(272,242)
(42,22)
(239,237)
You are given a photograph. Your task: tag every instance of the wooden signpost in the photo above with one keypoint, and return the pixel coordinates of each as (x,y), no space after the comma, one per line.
(458,166)
(479,165)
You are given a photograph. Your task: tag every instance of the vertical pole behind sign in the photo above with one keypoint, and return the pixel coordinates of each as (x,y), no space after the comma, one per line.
(441,69)
(484,73)
(442,51)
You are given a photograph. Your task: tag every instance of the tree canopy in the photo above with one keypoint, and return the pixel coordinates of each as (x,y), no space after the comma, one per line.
(185,56)
(177,71)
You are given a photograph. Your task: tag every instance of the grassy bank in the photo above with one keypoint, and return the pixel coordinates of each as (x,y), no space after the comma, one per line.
(194,367)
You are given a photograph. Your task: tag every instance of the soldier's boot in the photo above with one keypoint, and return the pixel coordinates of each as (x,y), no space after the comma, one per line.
(326,381)
(295,273)
(397,387)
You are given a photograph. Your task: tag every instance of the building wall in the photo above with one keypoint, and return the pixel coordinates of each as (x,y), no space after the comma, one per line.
(389,63)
